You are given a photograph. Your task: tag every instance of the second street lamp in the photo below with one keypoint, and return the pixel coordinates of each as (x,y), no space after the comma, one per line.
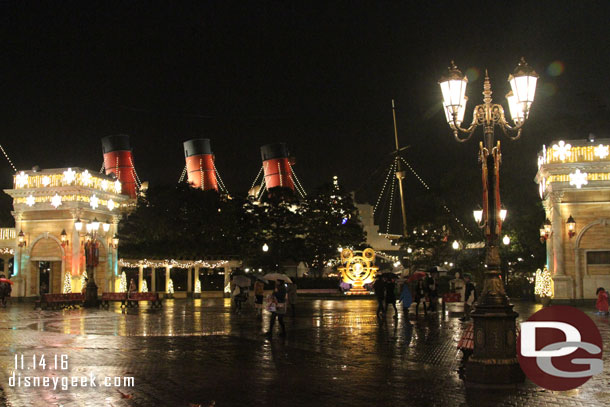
(494,360)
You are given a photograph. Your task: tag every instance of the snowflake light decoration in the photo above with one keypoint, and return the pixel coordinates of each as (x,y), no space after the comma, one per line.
(105,185)
(111,205)
(117,187)
(69,176)
(30,201)
(578,179)
(94,202)
(21,179)
(56,201)
(601,151)
(46,181)
(562,150)
(85,176)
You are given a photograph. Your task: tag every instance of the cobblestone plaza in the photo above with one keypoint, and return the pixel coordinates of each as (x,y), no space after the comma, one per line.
(197,352)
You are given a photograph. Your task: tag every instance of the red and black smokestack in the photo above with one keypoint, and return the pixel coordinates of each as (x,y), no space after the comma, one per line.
(200,164)
(276,165)
(119,161)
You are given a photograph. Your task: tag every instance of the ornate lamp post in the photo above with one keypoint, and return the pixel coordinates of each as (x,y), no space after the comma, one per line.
(494,360)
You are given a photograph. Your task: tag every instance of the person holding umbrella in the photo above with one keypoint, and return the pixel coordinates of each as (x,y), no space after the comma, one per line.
(406,299)
(379,287)
(420,290)
(390,295)
(277,306)
(5,289)
(470,297)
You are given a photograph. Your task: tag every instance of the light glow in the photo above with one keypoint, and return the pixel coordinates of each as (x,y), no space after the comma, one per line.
(562,150)
(69,176)
(111,204)
(30,200)
(85,177)
(578,179)
(601,151)
(21,179)
(94,202)
(56,201)
(46,181)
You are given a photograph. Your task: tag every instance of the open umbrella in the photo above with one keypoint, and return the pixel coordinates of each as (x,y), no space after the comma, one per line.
(242,281)
(6,280)
(418,275)
(277,276)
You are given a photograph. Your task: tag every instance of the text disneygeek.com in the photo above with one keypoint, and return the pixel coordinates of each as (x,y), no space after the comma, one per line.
(33,363)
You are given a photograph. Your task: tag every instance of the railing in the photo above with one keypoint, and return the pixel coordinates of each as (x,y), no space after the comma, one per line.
(8,234)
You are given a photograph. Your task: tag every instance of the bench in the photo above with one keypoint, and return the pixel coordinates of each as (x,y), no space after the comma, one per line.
(134,299)
(57,301)
(107,297)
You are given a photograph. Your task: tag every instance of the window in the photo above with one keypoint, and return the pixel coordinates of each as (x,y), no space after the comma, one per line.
(598,257)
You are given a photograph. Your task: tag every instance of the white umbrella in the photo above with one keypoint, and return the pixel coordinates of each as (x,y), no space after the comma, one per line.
(277,276)
(242,281)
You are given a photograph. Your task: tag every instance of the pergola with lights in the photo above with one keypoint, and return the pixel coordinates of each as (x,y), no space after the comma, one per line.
(574,185)
(58,213)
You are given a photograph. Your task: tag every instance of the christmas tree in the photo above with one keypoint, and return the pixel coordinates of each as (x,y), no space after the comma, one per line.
(83,279)
(197,286)
(544,283)
(123,284)
(67,284)
(170,286)
(144,286)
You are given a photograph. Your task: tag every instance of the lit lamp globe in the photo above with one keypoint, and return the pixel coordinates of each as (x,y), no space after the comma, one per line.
(453,86)
(478,215)
(78,225)
(503,213)
(265,247)
(95,225)
(455,245)
(506,240)
(523,85)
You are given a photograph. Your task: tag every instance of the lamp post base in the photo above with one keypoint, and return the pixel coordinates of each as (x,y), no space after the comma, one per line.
(91,299)
(494,360)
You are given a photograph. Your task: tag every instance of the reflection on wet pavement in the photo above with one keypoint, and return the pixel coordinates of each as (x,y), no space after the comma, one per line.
(337,353)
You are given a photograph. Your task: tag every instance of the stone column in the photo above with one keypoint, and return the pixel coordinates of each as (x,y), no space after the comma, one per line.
(189,283)
(578,275)
(140,277)
(6,260)
(167,277)
(153,279)
(558,227)
(196,275)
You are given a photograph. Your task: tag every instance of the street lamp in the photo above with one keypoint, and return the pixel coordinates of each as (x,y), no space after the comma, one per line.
(494,357)
(506,240)
(64,238)
(265,247)
(455,245)
(571,224)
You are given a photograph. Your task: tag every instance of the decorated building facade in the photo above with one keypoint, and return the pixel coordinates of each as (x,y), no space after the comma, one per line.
(59,213)
(574,184)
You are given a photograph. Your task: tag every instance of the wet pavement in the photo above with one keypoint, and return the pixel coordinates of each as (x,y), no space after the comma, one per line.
(197,352)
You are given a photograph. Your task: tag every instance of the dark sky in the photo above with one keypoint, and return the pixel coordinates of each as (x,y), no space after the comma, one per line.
(318,75)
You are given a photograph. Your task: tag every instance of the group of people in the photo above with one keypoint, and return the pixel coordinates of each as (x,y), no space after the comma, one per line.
(422,290)
(279,302)
(388,289)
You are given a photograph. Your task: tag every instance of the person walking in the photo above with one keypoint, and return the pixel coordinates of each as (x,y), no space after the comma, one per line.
(5,289)
(406,299)
(602,301)
(431,287)
(277,307)
(259,292)
(132,287)
(292,298)
(390,296)
(420,296)
(470,296)
(379,287)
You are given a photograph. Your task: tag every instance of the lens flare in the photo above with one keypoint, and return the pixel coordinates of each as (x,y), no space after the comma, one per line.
(555,68)
(472,74)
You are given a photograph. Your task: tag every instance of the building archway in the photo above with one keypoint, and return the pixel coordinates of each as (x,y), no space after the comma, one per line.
(592,258)
(46,266)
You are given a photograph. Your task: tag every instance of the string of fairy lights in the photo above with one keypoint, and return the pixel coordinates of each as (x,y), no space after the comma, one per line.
(221,183)
(300,188)
(171,263)
(445,207)
(387,231)
(388,179)
(256,178)
(8,158)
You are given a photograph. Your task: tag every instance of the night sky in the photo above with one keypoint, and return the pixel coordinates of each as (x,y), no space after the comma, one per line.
(317,76)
